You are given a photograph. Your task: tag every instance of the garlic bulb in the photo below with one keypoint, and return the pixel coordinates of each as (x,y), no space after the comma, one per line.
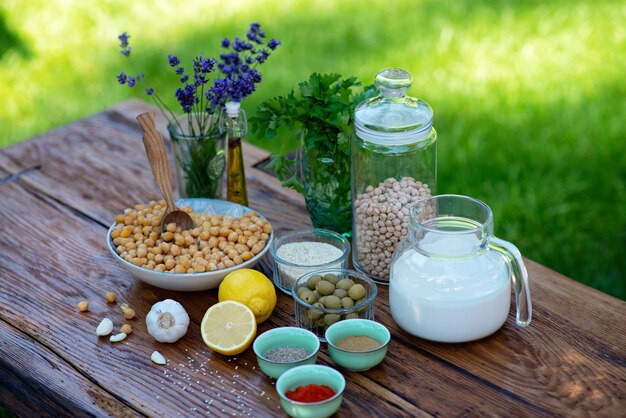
(167,321)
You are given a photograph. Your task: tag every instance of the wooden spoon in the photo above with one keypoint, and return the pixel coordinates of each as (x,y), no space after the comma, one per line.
(155,148)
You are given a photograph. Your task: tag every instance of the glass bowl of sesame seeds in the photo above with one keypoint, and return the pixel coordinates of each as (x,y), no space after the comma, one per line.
(281,349)
(297,253)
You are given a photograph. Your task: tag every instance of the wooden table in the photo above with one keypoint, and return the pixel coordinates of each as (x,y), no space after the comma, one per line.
(570,361)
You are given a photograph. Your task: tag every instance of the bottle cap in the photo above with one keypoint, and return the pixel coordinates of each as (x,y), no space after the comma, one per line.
(232,109)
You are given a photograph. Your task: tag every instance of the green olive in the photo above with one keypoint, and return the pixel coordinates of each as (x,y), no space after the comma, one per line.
(308,297)
(357,292)
(347,302)
(312,281)
(352,315)
(331,278)
(325,288)
(317,295)
(301,290)
(330,319)
(340,293)
(315,314)
(321,300)
(332,302)
(345,284)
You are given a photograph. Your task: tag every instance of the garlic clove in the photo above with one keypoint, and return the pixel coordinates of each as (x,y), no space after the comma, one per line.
(158,358)
(105,327)
(118,337)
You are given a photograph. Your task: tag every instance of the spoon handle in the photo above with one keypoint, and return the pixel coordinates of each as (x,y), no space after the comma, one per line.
(155,148)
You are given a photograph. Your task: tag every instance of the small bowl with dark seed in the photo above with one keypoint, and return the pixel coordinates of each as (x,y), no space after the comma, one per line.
(357,344)
(324,297)
(281,349)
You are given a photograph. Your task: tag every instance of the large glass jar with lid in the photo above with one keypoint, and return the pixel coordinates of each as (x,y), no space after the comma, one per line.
(394,166)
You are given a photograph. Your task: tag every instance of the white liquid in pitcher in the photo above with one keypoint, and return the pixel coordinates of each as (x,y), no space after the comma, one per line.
(450,299)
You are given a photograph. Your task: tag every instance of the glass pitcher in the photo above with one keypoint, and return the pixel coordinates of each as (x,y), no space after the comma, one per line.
(451,278)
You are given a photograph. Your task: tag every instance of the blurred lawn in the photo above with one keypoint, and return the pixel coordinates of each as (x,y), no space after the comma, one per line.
(529,97)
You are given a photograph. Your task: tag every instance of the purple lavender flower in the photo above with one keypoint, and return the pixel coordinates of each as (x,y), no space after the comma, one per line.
(123,39)
(273,43)
(219,94)
(201,67)
(241,45)
(122,78)
(237,65)
(262,56)
(240,76)
(174,61)
(186,97)
(255,33)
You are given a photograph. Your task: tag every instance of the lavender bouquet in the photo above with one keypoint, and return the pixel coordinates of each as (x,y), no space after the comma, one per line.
(198,148)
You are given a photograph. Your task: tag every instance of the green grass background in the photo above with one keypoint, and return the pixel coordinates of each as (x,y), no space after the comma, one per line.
(529,96)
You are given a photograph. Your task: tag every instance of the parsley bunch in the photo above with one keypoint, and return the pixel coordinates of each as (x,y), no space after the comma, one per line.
(321,111)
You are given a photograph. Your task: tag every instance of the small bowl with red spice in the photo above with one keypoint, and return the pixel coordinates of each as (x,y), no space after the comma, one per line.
(311,391)
(357,344)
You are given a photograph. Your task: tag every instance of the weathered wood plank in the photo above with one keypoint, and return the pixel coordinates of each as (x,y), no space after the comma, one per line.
(35,382)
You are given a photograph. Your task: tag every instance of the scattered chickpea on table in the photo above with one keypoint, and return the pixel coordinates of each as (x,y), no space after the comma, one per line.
(218,242)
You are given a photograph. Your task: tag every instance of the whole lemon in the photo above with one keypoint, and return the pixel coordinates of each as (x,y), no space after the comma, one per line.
(253,289)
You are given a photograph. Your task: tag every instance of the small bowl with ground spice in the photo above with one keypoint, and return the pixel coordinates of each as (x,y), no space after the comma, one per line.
(296,253)
(323,297)
(311,391)
(357,344)
(281,349)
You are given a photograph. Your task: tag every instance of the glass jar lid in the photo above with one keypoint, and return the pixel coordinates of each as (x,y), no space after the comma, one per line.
(393,118)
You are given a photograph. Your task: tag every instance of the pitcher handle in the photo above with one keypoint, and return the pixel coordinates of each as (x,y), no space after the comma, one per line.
(519,279)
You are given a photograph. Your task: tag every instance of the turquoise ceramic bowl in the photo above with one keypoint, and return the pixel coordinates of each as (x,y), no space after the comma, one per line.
(306,375)
(283,337)
(357,361)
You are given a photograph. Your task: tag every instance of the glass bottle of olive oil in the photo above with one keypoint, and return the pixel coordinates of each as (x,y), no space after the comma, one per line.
(234,124)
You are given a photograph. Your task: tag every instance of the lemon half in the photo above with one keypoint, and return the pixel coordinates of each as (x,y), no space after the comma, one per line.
(228,327)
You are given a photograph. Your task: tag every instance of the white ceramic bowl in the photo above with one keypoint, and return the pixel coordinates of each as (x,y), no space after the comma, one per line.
(192,281)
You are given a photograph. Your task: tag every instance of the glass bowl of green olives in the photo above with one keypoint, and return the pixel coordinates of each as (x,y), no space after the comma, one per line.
(324,297)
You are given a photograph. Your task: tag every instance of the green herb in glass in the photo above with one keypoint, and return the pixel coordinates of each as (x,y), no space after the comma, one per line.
(321,112)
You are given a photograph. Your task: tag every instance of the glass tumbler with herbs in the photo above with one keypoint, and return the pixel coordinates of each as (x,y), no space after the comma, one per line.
(199,151)
(319,113)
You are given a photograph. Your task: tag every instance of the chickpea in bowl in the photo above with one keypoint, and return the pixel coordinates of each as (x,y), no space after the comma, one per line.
(227,237)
